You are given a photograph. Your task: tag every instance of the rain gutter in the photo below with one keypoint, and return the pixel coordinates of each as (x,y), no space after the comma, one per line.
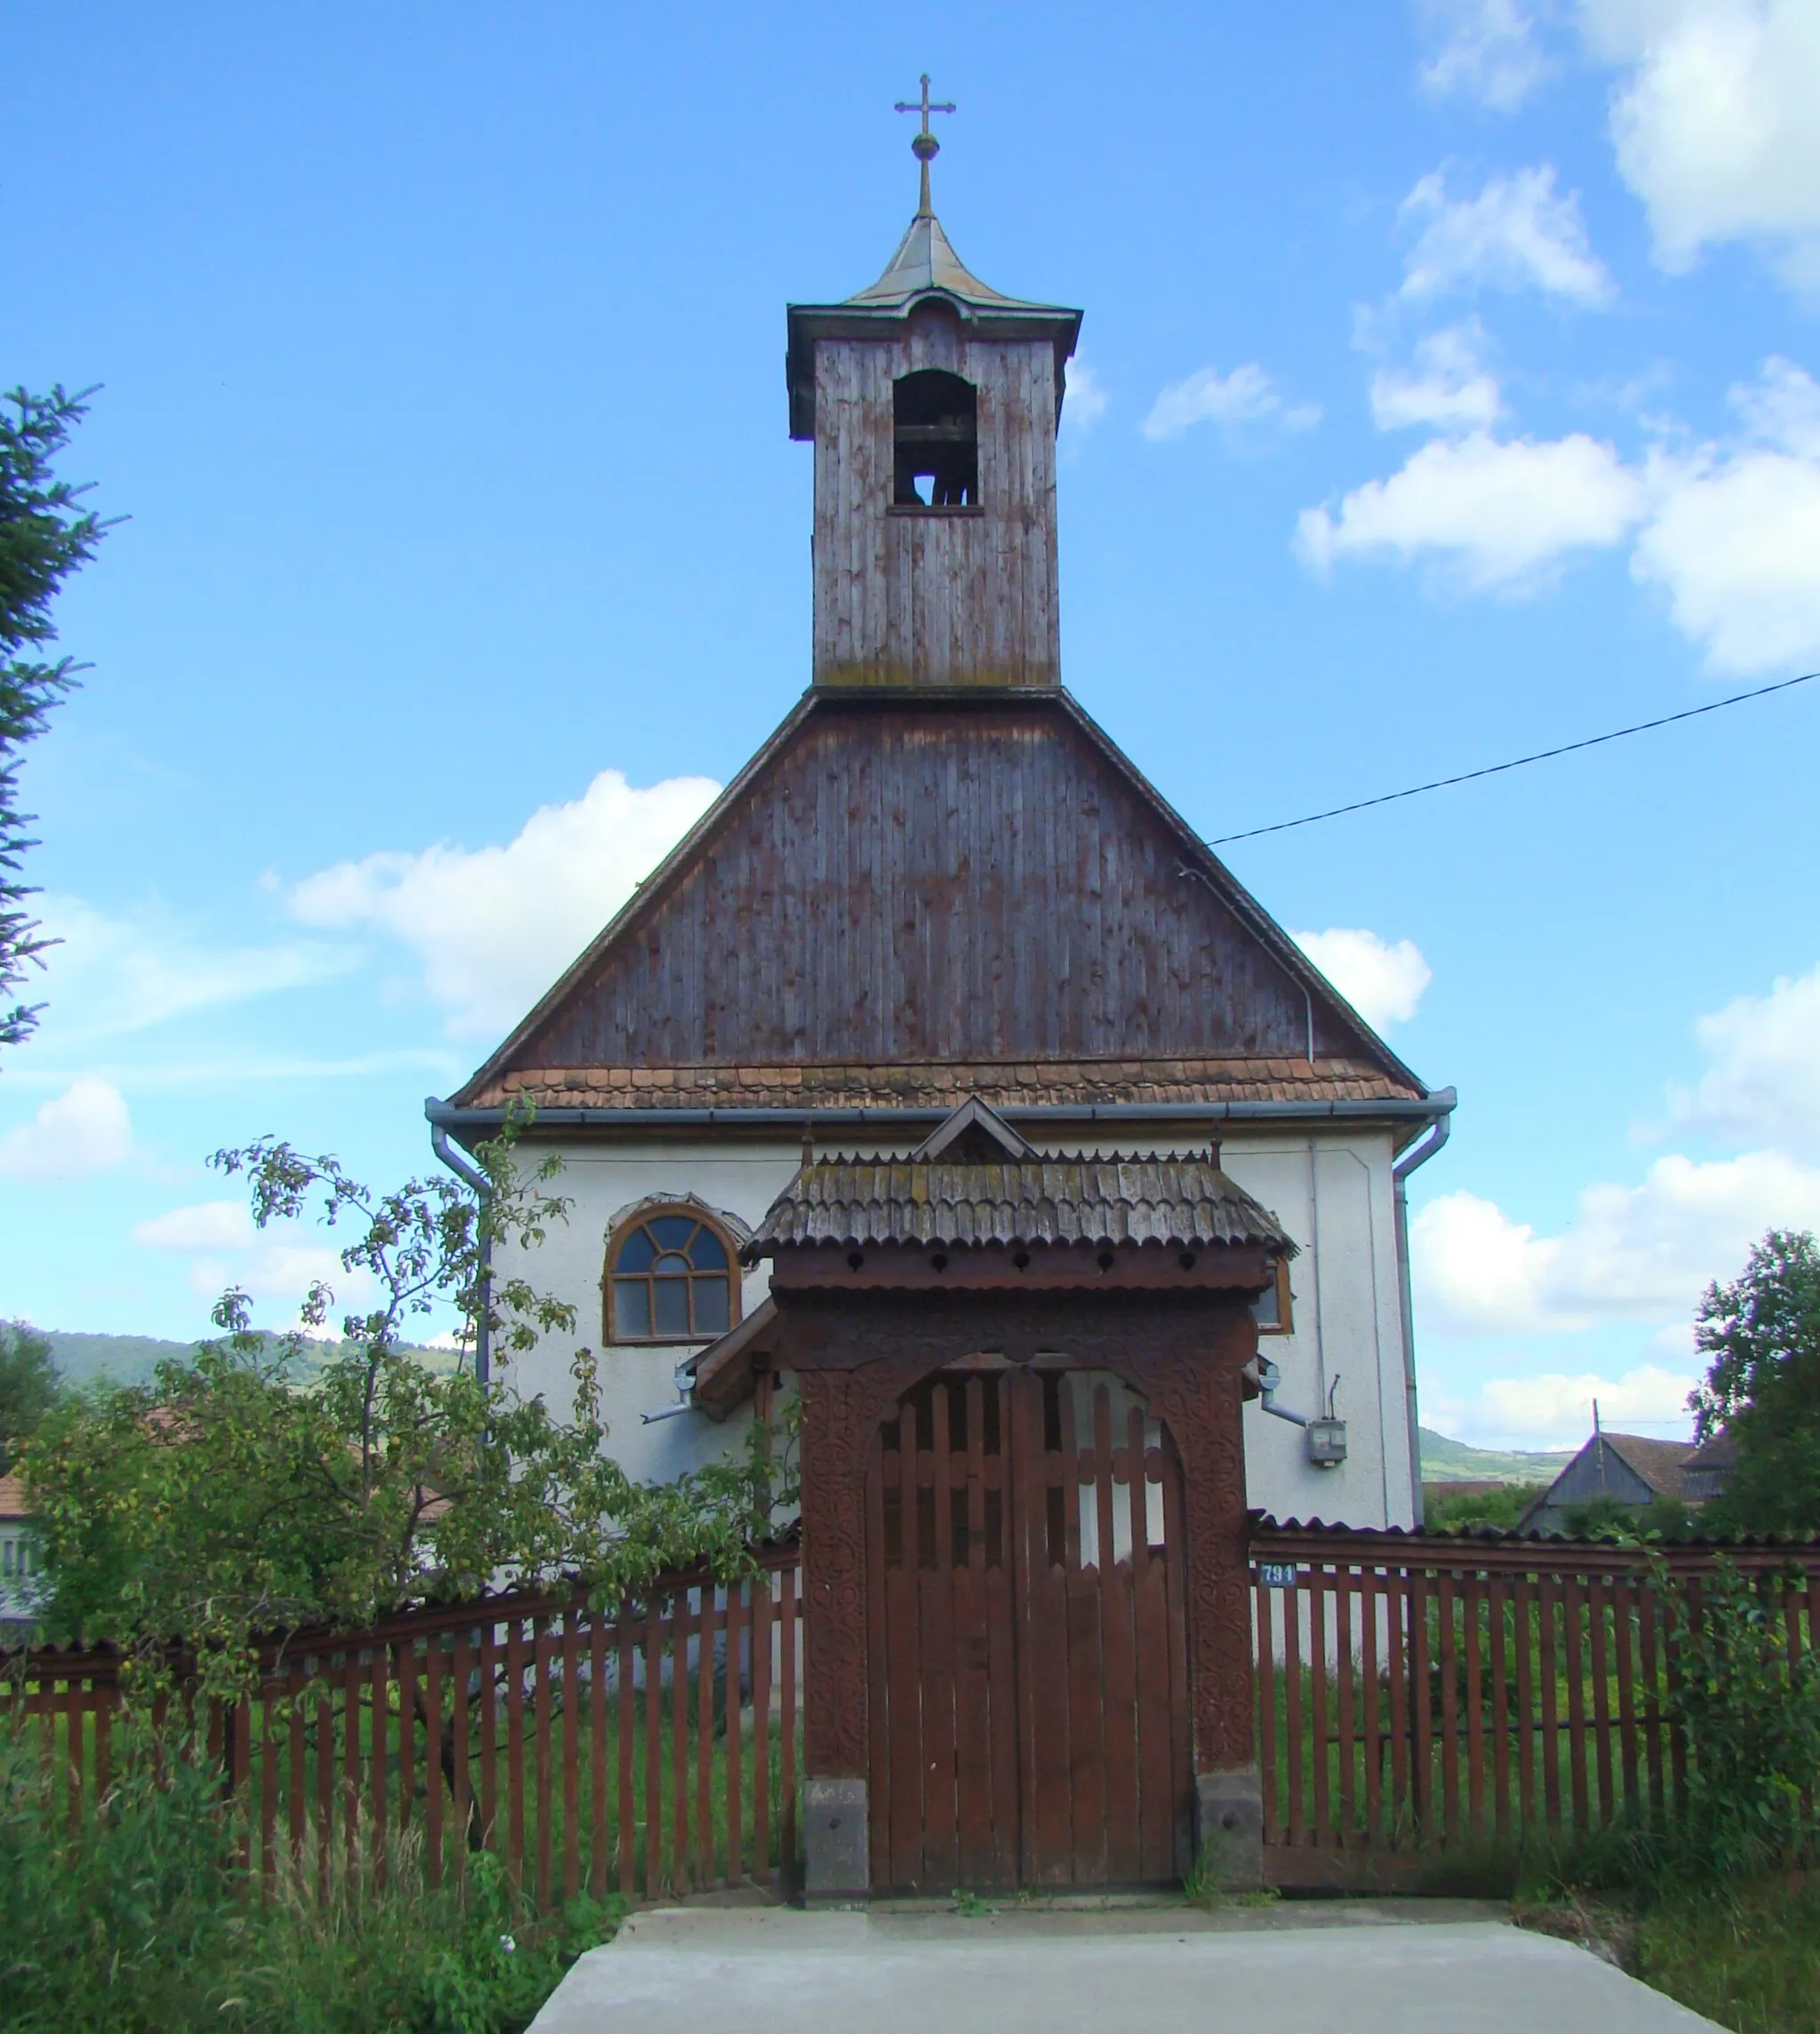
(1442,1103)
(1435,1108)
(470,1175)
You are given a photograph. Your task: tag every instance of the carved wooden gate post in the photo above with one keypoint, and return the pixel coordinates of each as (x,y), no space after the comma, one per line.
(851,1365)
(1196,1388)
(835,1812)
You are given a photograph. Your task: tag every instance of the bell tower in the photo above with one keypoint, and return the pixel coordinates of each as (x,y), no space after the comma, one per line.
(932,401)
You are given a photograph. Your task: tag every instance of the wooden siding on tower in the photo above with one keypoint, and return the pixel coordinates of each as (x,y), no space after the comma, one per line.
(932,881)
(936,597)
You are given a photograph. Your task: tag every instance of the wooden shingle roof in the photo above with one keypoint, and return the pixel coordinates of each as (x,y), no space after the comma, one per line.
(1178,1201)
(903,902)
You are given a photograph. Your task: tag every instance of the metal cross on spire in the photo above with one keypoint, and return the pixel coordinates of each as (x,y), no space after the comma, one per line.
(925,148)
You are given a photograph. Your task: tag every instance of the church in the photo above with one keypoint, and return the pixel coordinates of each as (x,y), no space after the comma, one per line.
(942,1076)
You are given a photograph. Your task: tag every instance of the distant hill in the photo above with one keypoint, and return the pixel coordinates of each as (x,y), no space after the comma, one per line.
(121,1359)
(131,1359)
(1445,1461)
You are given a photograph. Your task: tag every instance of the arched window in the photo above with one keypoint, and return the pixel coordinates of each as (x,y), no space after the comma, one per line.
(935,420)
(670,1278)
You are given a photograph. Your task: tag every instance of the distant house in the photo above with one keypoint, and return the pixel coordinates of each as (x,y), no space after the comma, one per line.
(1705,1471)
(1634,1471)
(18,1582)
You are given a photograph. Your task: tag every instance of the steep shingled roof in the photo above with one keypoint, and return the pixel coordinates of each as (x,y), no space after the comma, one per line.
(925,260)
(1180,1201)
(1074,942)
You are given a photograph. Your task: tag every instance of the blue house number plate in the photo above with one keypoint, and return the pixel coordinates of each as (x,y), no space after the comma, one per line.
(1277,1573)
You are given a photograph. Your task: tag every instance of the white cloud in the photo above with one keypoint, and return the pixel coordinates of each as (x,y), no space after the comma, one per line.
(1516,234)
(1781,410)
(224,1248)
(1727,531)
(1553,1408)
(1736,530)
(113,976)
(1488,51)
(1501,513)
(85,1129)
(1631,1253)
(206,1226)
(1449,388)
(1764,1078)
(1247,395)
(1382,982)
(493,927)
(1086,399)
(1716,122)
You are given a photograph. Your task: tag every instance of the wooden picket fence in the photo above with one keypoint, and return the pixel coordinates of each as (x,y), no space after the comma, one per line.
(1418,1696)
(1417,1699)
(651,1751)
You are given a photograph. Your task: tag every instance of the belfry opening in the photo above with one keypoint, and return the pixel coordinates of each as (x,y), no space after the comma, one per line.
(935,426)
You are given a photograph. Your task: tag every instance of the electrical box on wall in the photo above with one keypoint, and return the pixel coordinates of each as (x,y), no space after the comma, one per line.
(1327,1443)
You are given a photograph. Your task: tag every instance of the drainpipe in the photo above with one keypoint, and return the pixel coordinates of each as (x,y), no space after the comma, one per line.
(1270,1382)
(1443,1102)
(471,1175)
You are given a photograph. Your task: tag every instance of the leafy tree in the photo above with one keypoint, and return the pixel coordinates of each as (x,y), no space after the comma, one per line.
(1467,1511)
(1609,1517)
(1762,1335)
(1749,1701)
(43,537)
(27,1386)
(239,1494)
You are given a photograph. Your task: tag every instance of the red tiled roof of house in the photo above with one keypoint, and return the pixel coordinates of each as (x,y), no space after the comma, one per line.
(1005,1084)
(1661,1464)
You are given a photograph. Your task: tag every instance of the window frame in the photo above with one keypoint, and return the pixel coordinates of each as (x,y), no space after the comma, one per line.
(972,506)
(642,1217)
(1284,1323)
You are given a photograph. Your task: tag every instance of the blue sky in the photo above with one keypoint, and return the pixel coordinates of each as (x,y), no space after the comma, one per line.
(1446,392)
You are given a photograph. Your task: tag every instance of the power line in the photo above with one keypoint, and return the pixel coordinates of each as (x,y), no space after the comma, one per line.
(1540,756)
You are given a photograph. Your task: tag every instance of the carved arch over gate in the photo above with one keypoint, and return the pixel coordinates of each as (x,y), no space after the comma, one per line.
(1183,1351)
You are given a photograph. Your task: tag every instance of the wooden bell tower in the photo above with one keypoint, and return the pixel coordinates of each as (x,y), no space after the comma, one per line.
(932,401)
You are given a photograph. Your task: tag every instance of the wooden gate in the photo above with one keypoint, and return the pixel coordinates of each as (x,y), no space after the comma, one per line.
(1029,1714)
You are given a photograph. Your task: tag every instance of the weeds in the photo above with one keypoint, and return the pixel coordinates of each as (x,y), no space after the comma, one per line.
(1202,1887)
(144,1921)
(1751,1961)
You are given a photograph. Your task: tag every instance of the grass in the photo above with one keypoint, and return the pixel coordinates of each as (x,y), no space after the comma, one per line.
(143,1921)
(1750,1961)
(1747,1956)
(690,1852)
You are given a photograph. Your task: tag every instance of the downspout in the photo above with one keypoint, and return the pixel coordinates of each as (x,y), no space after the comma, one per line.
(471,1175)
(1444,1101)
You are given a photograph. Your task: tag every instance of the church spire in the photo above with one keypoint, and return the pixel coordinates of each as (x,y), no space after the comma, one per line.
(925,148)
(925,260)
(932,401)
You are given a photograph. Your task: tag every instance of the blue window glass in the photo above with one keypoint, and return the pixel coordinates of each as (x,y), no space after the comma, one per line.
(632,1309)
(671,1280)
(636,1252)
(710,1306)
(671,1296)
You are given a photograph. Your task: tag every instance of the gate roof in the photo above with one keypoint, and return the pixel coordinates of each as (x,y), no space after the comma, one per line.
(1080,1199)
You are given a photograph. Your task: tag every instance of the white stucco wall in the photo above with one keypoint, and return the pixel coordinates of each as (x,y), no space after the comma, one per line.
(603,1180)
(1332,1191)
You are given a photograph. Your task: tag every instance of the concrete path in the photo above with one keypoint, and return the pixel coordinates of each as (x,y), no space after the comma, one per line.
(1304,1967)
